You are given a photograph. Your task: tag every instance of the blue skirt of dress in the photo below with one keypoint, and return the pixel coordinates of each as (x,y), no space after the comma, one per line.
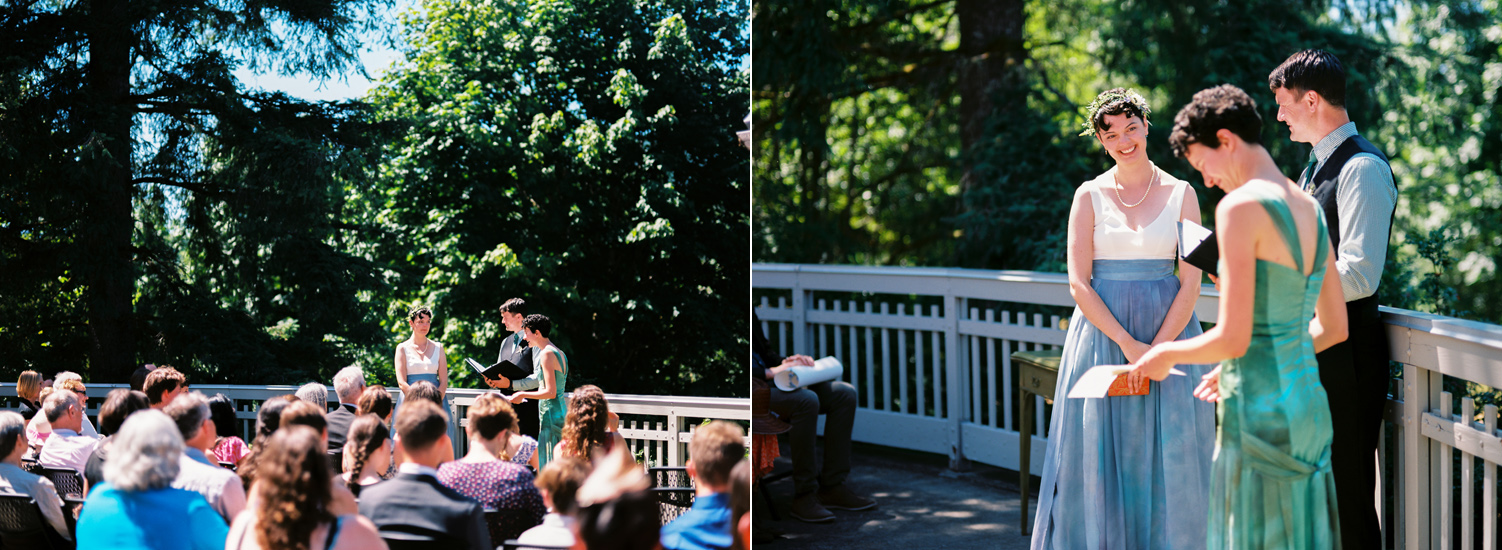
(1129,472)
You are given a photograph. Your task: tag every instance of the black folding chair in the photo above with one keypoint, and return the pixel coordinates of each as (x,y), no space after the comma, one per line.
(674,490)
(67,481)
(507,524)
(31,466)
(22,525)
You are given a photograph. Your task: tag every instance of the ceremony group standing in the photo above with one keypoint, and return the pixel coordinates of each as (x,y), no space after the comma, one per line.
(1302,358)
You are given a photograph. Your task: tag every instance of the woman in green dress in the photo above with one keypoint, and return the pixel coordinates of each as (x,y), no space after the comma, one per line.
(1271,485)
(551,367)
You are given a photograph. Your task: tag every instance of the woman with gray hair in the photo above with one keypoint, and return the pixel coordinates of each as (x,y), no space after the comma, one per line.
(136,507)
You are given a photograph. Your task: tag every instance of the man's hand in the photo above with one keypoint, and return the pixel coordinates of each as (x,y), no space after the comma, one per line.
(501,384)
(774,371)
(798,361)
(1215,280)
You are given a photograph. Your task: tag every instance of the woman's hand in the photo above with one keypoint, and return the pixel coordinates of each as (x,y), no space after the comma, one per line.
(1152,365)
(1133,350)
(796,361)
(1209,388)
(515,398)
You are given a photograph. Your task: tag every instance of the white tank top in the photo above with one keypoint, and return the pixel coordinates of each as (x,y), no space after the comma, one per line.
(417,365)
(1115,240)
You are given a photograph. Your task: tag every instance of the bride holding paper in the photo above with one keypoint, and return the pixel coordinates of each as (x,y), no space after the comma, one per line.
(1131,470)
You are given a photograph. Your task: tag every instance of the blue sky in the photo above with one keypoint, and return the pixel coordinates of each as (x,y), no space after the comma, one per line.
(377,55)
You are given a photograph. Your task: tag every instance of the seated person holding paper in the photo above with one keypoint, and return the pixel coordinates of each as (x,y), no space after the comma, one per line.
(815,491)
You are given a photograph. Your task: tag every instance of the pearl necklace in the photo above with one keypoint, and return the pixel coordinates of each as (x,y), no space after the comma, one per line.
(1144,194)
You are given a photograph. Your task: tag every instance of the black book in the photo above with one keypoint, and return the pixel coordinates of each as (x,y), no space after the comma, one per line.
(1198,247)
(502,369)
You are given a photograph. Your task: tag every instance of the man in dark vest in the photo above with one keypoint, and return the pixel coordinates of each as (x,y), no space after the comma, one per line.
(514,349)
(1353,183)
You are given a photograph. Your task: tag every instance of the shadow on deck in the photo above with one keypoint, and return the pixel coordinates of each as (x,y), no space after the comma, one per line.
(921,504)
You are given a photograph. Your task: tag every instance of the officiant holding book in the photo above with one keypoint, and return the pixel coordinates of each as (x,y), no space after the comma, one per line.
(515,365)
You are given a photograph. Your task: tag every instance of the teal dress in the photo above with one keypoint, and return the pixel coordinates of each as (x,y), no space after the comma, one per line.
(1271,485)
(551,412)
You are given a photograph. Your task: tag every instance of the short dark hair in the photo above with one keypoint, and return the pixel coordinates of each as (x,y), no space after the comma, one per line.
(375,400)
(118,406)
(418,311)
(161,381)
(490,415)
(425,391)
(303,413)
(188,412)
(420,424)
(1120,104)
(138,378)
(538,323)
(1318,71)
(515,305)
(1224,106)
(222,410)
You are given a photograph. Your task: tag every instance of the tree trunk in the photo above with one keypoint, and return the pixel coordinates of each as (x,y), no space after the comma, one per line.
(991,39)
(105,234)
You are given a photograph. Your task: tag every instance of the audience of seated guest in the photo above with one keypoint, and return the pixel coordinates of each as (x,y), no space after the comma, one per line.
(138,377)
(268,419)
(713,452)
(740,504)
(486,476)
(293,505)
(425,390)
(585,429)
(349,383)
(71,381)
(558,482)
(16,480)
(375,400)
(118,405)
(316,394)
(66,448)
(163,385)
(614,510)
(414,505)
(198,473)
(303,413)
(228,447)
(28,388)
(367,454)
(136,507)
(522,449)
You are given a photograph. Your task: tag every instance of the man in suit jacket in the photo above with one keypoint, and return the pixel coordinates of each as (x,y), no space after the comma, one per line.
(1353,183)
(514,348)
(349,383)
(413,505)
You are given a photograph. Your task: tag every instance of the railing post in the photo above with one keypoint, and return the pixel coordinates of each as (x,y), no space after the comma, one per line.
(954,363)
(800,315)
(1415,458)
(673,458)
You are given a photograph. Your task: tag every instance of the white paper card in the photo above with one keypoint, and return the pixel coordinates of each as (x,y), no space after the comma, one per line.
(1096,382)
(824,370)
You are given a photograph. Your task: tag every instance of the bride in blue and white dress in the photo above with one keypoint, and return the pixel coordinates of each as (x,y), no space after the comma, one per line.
(1127,472)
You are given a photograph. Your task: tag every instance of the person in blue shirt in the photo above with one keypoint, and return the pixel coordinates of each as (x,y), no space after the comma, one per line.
(713,453)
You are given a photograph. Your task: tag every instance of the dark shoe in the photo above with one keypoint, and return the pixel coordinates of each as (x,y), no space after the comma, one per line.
(807,509)
(841,498)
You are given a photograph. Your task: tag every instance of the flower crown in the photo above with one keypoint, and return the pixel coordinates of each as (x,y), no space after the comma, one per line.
(1131,96)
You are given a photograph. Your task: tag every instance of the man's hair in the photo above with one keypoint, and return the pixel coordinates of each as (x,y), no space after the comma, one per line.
(161,381)
(420,424)
(375,400)
(138,378)
(57,403)
(1312,70)
(119,405)
(424,390)
(561,478)
(303,413)
(1224,106)
(715,448)
(515,305)
(222,411)
(538,323)
(12,428)
(29,384)
(64,376)
(145,454)
(314,393)
(490,415)
(348,383)
(188,411)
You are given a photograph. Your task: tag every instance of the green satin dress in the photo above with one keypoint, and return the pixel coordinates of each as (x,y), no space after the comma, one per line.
(551,412)
(1271,485)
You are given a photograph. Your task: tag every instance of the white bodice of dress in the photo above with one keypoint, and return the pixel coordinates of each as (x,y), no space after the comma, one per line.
(416,364)
(1115,240)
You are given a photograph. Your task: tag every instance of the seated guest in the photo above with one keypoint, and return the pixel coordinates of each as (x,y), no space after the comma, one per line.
(268,419)
(414,505)
(585,429)
(740,504)
(424,389)
(228,447)
(377,401)
(367,454)
(303,413)
(558,481)
(163,385)
(485,475)
(71,381)
(349,383)
(28,389)
(614,510)
(712,454)
(136,507)
(138,378)
(316,394)
(118,405)
(16,480)
(293,505)
(38,430)
(66,448)
(197,473)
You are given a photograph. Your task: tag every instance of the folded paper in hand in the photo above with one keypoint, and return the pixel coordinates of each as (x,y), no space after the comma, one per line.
(824,370)
(1097,381)
(502,369)
(1198,247)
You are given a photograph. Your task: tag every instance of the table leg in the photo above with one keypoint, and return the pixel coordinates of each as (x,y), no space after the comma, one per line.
(1024,449)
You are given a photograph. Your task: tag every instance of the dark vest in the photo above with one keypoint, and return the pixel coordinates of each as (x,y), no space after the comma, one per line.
(1325,184)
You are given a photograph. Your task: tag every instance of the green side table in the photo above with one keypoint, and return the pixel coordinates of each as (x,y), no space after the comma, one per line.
(1037,374)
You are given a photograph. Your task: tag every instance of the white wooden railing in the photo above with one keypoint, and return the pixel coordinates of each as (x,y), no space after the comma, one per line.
(929,351)
(657,428)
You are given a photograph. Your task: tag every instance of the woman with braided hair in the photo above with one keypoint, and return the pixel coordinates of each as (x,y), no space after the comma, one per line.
(367,452)
(587,427)
(292,507)
(487,474)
